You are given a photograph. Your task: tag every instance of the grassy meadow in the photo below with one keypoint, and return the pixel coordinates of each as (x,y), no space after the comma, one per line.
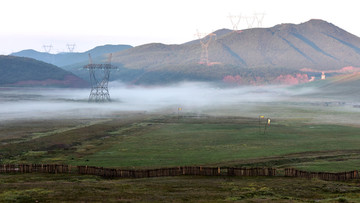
(303,135)
(155,140)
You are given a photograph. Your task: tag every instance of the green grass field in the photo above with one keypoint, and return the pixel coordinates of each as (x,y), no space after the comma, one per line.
(149,141)
(303,136)
(175,144)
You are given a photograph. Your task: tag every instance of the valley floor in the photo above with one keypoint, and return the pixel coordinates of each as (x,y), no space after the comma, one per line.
(305,133)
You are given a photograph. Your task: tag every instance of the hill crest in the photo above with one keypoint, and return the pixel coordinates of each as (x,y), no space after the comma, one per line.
(68,58)
(313,44)
(22,71)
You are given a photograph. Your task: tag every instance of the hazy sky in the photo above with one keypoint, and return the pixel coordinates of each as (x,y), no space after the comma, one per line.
(30,24)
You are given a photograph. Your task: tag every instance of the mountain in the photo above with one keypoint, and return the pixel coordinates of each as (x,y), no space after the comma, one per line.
(21,71)
(274,55)
(314,44)
(264,53)
(65,59)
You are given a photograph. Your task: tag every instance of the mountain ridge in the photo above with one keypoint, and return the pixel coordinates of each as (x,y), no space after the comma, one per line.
(256,55)
(22,71)
(68,58)
(312,44)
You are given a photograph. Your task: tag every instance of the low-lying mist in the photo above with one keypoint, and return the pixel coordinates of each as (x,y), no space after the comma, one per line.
(44,103)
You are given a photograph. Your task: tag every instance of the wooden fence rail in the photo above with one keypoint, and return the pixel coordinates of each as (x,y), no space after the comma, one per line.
(31,168)
(322,175)
(251,171)
(174,171)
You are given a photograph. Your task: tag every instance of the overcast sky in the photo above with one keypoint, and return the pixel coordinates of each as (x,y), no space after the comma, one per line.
(30,24)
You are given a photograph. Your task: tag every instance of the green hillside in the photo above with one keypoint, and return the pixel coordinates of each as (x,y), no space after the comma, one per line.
(21,71)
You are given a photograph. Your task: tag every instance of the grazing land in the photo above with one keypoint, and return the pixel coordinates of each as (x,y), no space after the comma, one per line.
(149,140)
(306,134)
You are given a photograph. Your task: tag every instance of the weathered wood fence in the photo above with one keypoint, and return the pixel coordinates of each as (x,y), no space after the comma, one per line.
(322,175)
(175,171)
(251,171)
(31,168)
(111,172)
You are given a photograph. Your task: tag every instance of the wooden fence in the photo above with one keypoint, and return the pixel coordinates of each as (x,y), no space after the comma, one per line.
(31,168)
(252,171)
(322,175)
(110,172)
(175,171)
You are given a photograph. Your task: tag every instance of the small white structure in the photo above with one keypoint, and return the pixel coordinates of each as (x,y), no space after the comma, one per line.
(323,76)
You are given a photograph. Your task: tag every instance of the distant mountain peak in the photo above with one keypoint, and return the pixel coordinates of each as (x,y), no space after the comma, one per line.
(67,58)
(314,20)
(315,44)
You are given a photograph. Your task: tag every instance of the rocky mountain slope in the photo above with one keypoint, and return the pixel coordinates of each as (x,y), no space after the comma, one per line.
(315,44)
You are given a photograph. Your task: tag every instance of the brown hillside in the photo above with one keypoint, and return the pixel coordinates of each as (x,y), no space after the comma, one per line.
(314,44)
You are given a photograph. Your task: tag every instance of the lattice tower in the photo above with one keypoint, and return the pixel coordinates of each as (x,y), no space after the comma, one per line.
(71,47)
(235,20)
(99,85)
(205,40)
(47,48)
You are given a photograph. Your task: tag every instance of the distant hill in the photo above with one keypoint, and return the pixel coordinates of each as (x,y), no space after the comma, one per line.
(65,59)
(21,71)
(250,53)
(274,55)
(315,44)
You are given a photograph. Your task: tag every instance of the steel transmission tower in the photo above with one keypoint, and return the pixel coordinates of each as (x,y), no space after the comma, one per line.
(71,47)
(259,18)
(235,20)
(205,40)
(47,48)
(250,20)
(99,86)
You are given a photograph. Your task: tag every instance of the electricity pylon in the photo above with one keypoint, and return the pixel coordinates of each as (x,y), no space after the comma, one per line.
(235,20)
(205,40)
(259,18)
(250,20)
(71,47)
(99,87)
(47,48)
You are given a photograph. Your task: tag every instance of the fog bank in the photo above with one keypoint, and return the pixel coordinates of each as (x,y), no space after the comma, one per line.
(29,103)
